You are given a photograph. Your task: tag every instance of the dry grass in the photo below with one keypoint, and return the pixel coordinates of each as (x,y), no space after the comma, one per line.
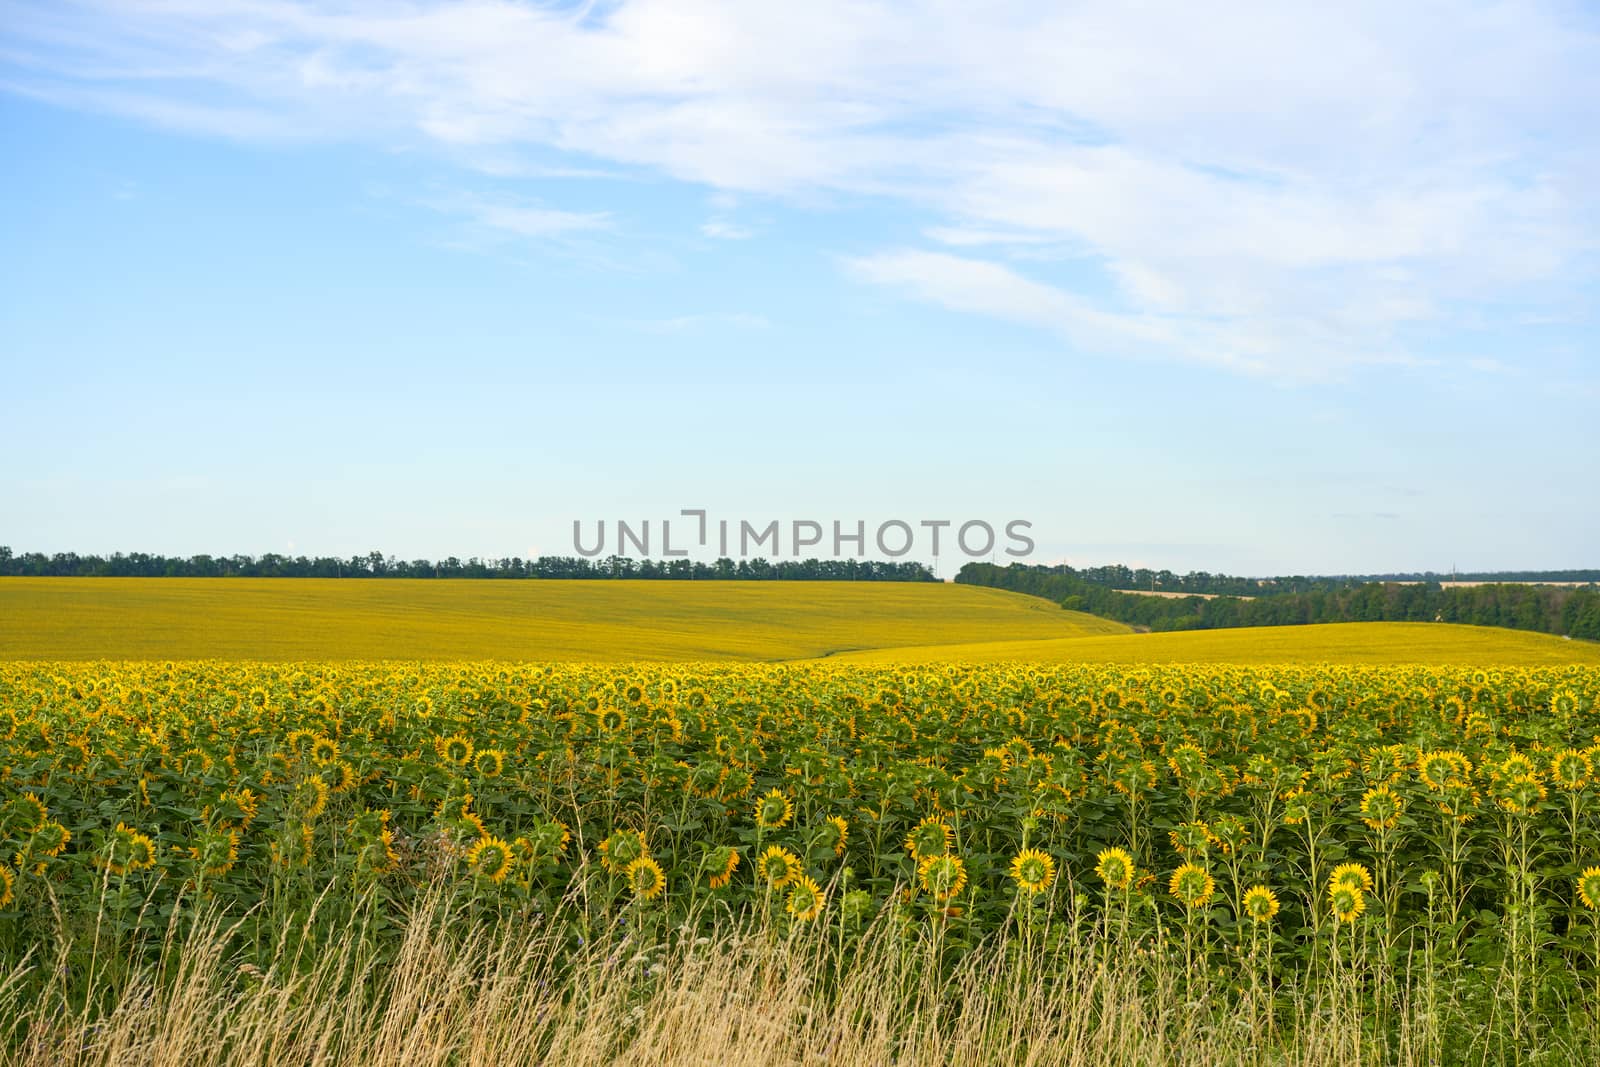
(508,993)
(308,618)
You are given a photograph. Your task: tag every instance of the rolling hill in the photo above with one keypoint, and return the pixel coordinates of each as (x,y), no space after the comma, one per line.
(309,618)
(1344,642)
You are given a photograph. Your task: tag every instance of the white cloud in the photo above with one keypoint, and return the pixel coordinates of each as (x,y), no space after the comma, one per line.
(1288,347)
(969,237)
(529,221)
(1285,188)
(688,323)
(723,230)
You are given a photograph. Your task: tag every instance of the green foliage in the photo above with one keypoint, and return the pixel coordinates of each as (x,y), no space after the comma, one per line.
(1543,608)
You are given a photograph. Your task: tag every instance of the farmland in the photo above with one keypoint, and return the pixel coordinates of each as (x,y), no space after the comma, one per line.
(267,619)
(1344,642)
(1253,857)
(617,621)
(392,821)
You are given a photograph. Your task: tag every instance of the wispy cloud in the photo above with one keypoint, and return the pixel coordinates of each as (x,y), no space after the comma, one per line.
(1288,189)
(968,237)
(524,220)
(689,323)
(1282,346)
(493,220)
(723,230)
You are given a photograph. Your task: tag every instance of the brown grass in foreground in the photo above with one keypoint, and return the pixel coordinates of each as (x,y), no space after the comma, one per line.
(515,995)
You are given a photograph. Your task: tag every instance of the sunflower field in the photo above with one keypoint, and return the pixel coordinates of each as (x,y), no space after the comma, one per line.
(1415,832)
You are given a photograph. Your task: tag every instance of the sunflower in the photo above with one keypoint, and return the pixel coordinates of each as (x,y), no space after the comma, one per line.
(1231,834)
(1347,902)
(1134,776)
(457,816)
(613,720)
(1381,808)
(622,849)
(1589,888)
(1515,766)
(299,741)
(943,876)
(1571,769)
(1192,885)
(489,762)
(805,899)
(129,851)
(1521,795)
(1438,769)
(324,749)
(737,783)
(310,797)
(1564,703)
(51,839)
(841,833)
(1032,870)
(7,880)
(1296,807)
(1191,839)
(778,867)
(633,692)
(645,878)
(773,810)
(26,813)
(294,845)
(1260,903)
(722,863)
(490,858)
(372,842)
(1115,868)
(339,776)
(706,778)
(216,853)
(549,840)
(1386,763)
(1186,760)
(456,749)
(931,837)
(1353,875)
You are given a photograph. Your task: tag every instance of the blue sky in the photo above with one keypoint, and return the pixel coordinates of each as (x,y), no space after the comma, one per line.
(1298,289)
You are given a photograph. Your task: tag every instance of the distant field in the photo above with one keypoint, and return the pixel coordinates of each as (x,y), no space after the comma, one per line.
(1349,642)
(1469,585)
(308,618)
(313,619)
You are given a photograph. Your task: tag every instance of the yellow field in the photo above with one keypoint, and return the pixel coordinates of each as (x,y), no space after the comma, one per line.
(308,618)
(312,619)
(1349,642)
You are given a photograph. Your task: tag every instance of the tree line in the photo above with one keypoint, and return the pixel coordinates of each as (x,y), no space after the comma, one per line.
(1544,608)
(377,565)
(1117,576)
